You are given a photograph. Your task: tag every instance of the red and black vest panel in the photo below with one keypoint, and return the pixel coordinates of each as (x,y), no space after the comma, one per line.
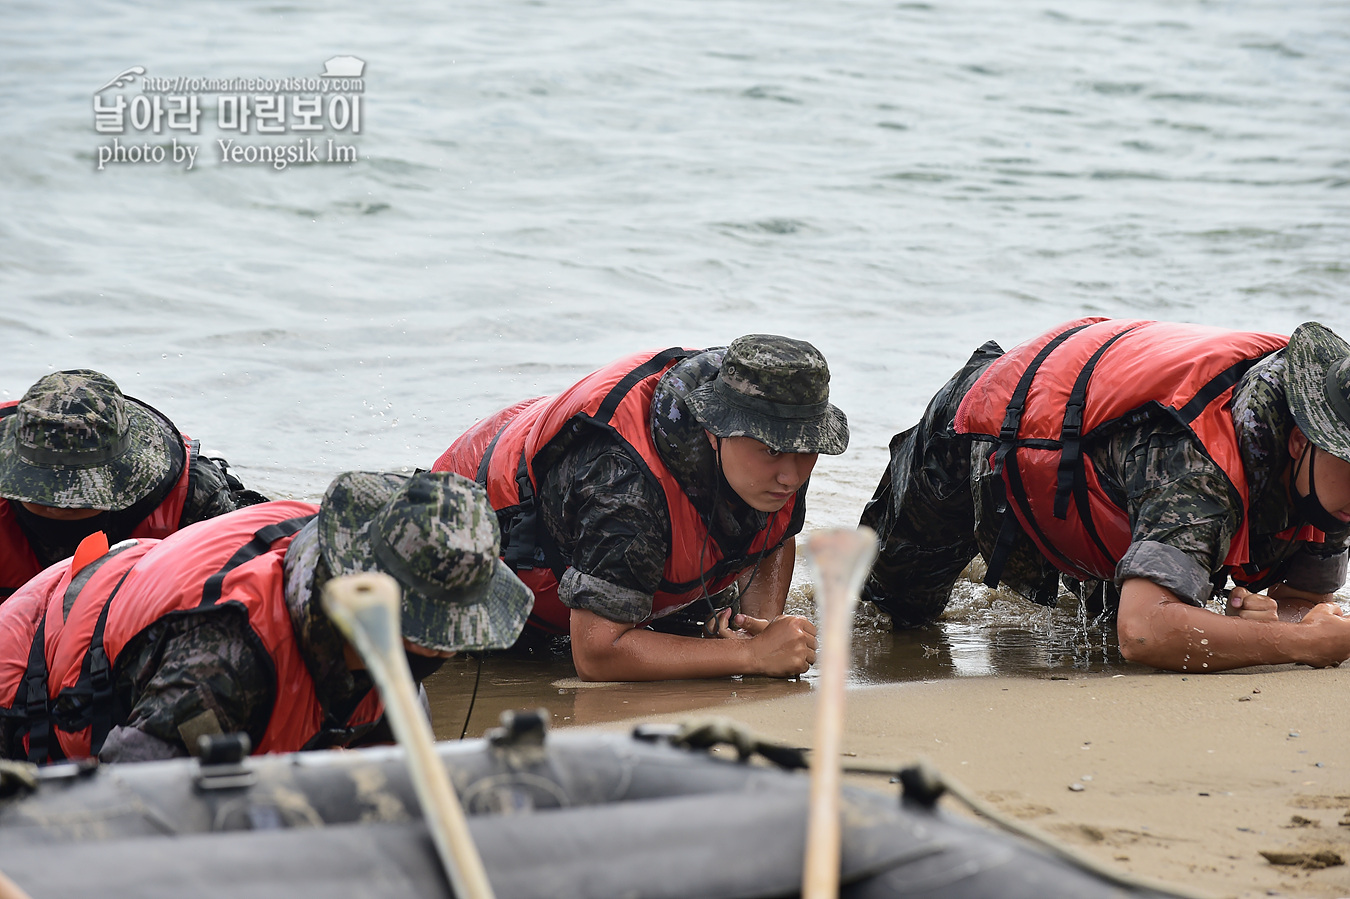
(500,452)
(90,614)
(1041,402)
(18,563)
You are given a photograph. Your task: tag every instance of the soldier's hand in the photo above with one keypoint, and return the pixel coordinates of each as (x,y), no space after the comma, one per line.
(1252,606)
(783,647)
(1332,624)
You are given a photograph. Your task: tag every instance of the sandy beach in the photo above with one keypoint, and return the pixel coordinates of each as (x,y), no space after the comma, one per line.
(1185,780)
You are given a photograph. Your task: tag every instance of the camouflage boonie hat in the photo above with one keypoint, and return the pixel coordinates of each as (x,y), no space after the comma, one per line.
(1319,387)
(74,441)
(436,534)
(775,390)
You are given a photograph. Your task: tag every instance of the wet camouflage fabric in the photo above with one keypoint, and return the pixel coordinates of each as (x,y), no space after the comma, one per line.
(776,390)
(437,535)
(609,520)
(934,508)
(75,441)
(1319,391)
(923,509)
(184,666)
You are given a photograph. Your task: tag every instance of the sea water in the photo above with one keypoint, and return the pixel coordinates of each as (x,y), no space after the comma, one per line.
(534,188)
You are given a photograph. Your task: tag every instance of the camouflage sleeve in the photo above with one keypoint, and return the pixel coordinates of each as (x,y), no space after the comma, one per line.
(199,674)
(211,494)
(1167,567)
(1316,568)
(1183,513)
(610,523)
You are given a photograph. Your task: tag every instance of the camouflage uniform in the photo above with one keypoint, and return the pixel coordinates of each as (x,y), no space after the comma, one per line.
(934,507)
(609,520)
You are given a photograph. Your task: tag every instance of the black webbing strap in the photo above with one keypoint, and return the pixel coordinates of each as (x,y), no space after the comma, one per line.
(262,541)
(522,535)
(100,678)
(481,475)
(653,365)
(36,707)
(1005,457)
(1071,445)
(1211,391)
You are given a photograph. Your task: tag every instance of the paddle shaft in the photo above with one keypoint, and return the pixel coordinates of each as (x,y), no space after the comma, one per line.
(366,609)
(839,559)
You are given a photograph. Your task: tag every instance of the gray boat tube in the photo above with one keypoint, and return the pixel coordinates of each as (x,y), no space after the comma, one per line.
(571,815)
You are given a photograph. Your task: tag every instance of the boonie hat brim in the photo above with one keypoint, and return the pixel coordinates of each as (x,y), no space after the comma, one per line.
(153,447)
(1318,365)
(488,614)
(779,427)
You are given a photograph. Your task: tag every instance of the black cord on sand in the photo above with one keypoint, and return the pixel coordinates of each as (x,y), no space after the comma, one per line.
(473,697)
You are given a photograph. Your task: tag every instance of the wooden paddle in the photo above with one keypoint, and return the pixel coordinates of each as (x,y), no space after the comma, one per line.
(839,560)
(365,608)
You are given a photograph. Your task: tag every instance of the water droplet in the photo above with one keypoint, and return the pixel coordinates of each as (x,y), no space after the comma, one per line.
(1204,642)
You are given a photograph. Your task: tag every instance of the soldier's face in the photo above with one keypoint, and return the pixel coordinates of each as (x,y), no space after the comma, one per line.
(1333,477)
(766,479)
(57,513)
(418,649)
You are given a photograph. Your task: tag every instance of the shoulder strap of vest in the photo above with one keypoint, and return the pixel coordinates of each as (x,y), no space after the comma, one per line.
(1071,445)
(616,393)
(1211,391)
(1005,457)
(36,707)
(262,541)
(100,678)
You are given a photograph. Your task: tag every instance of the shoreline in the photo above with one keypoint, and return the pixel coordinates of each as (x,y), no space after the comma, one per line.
(1180,779)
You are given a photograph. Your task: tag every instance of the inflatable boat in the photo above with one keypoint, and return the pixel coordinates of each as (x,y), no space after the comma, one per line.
(653,814)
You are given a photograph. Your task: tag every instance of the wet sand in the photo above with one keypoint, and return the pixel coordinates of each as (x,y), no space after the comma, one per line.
(1184,779)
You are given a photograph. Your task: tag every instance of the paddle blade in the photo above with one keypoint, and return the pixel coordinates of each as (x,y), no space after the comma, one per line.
(839,559)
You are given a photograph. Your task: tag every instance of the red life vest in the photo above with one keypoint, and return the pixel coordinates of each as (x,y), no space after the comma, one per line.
(85,618)
(500,452)
(1041,401)
(17,560)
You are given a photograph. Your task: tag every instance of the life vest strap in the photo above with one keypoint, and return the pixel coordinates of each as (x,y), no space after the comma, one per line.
(36,706)
(100,678)
(653,365)
(1005,457)
(1070,437)
(262,541)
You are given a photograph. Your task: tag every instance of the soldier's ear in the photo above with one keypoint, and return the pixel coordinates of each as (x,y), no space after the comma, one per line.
(1298,442)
